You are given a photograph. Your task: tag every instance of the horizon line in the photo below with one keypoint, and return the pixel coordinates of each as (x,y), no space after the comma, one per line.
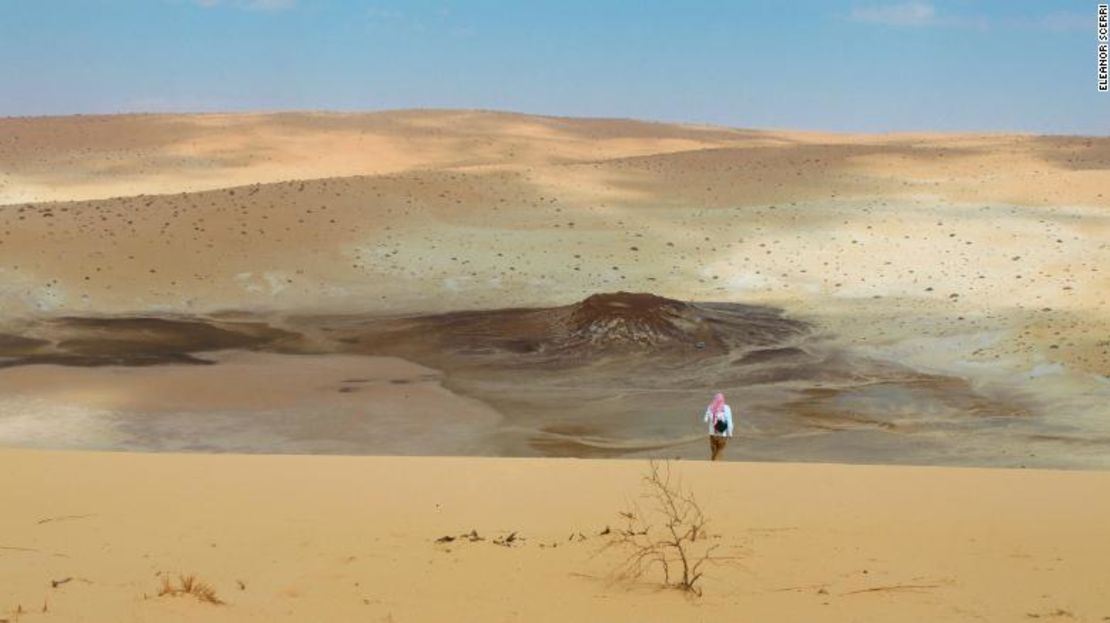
(495,111)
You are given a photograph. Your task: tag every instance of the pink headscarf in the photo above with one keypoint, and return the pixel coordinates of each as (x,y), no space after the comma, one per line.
(717,407)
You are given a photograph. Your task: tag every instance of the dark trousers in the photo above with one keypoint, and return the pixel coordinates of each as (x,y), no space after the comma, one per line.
(716,446)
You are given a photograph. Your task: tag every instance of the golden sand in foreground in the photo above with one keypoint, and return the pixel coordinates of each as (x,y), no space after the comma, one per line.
(344,539)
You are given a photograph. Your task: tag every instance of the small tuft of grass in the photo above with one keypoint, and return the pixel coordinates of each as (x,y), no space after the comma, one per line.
(189,585)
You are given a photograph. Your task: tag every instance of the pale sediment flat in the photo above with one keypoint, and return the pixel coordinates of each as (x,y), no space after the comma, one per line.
(617,375)
(244,402)
(353,538)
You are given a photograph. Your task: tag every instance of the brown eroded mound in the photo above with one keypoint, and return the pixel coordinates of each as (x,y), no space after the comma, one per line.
(610,324)
(635,319)
(620,323)
(626,320)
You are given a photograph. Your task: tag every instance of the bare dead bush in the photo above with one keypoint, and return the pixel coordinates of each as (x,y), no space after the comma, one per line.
(669,535)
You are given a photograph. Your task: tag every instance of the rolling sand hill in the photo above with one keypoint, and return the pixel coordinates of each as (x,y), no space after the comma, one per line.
(954,238)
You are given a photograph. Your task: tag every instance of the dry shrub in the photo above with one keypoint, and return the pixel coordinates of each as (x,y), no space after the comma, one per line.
(670,535)
(189,585)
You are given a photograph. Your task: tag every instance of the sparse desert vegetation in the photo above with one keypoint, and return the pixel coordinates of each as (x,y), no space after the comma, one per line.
(666,532)
(189,585)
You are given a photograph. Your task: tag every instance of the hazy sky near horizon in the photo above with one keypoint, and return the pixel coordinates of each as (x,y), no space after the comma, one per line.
(872,65)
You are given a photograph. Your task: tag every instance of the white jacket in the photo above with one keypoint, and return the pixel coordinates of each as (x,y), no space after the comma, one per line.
(726,416)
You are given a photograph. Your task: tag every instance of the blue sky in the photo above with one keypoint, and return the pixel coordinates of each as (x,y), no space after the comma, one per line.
(872,65)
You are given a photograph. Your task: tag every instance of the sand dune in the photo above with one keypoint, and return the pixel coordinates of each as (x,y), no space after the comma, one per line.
(333,538)
(92,157)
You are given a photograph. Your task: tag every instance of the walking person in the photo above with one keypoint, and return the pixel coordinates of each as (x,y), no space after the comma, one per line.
(719,417)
